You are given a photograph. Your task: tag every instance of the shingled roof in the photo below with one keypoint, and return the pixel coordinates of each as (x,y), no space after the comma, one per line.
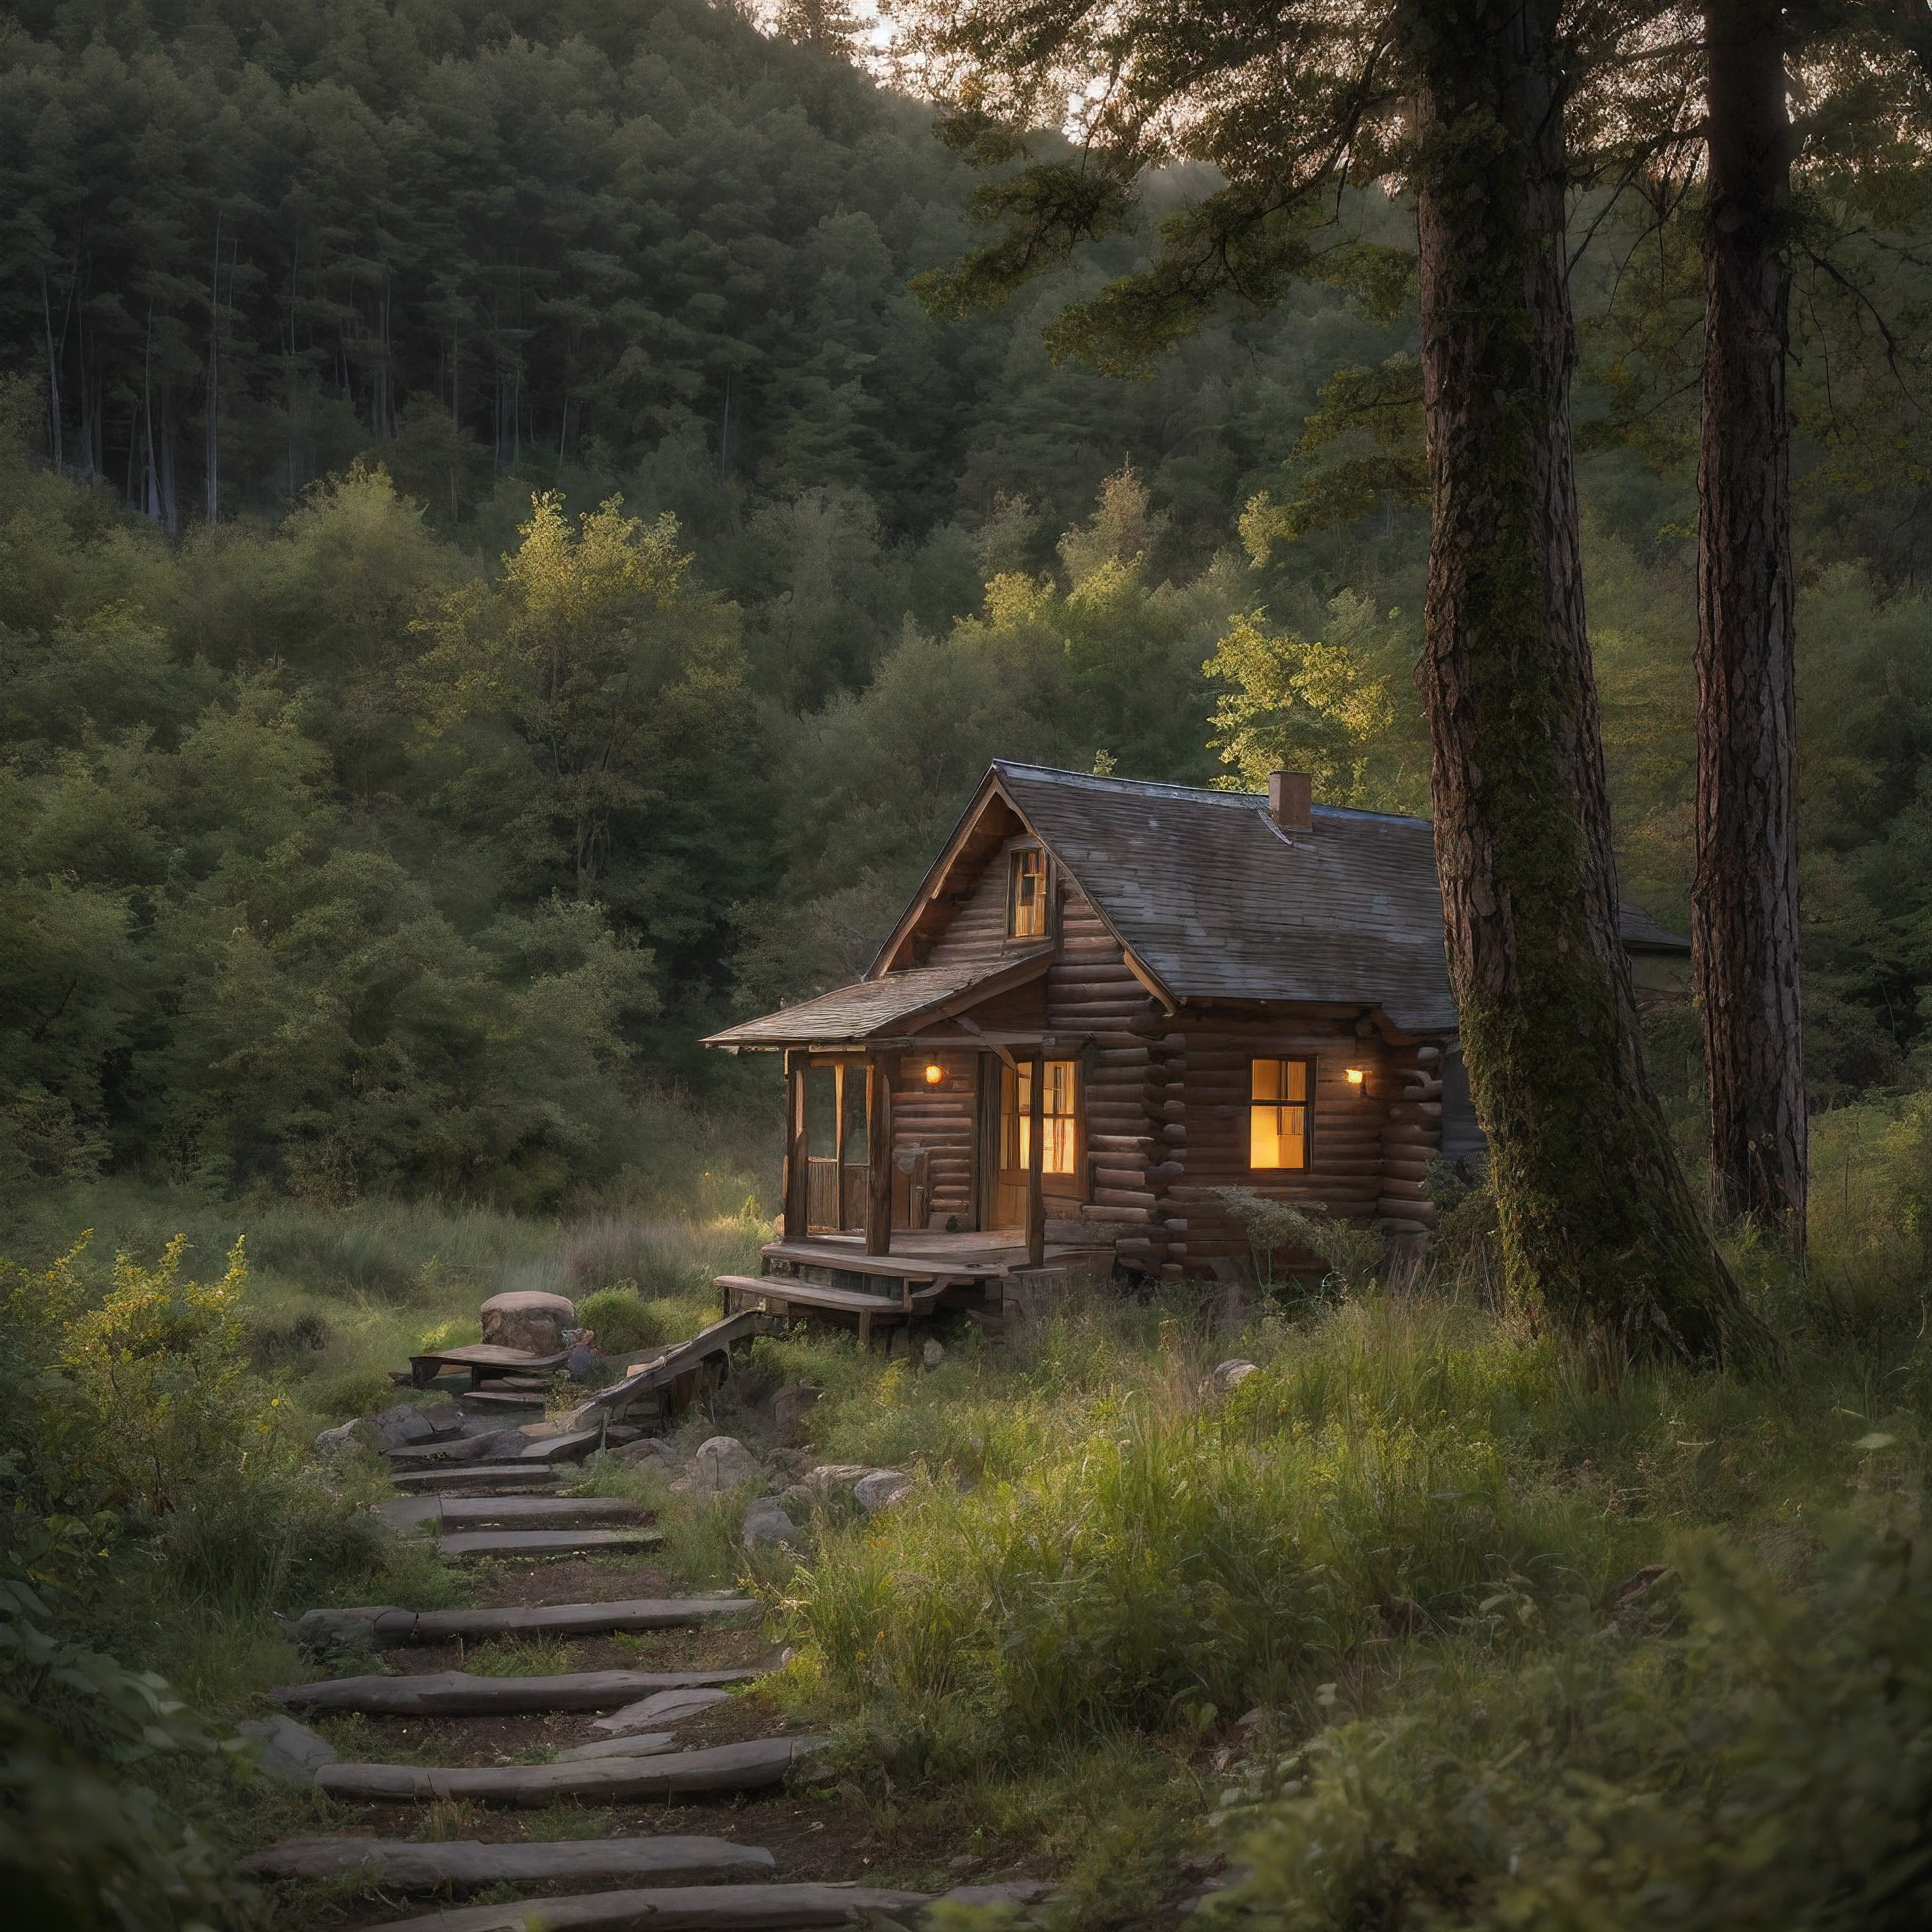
(1214,901)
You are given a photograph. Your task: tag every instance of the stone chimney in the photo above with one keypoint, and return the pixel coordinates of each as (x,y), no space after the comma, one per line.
(1291,800)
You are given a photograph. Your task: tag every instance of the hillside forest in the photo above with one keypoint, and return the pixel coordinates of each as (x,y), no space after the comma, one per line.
(499,577)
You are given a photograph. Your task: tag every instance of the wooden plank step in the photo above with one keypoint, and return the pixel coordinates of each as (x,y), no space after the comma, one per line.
(642,1378)
(504,1477)
(456,1693)
(571,1448)
(404,1867)
(388,1629)
(462,1513)
(542,1542)
(713,1908)
(742,1767)
(495,1401)
(661,1707)
(782,1290)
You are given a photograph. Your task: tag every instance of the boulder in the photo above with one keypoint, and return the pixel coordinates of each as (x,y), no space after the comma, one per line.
(932,1353)
(881,1490)
(830,1476)
(406,1426)
(718,1466)
(334,1442)
(790,1408)
(581,1363)
(653,1452)
(316,1631)
(765,1522)
(1229,1375)
(528,1319)
(289,1751)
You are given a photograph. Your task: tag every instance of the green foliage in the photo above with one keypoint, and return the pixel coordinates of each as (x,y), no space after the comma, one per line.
(624,1320)
(1354,1254)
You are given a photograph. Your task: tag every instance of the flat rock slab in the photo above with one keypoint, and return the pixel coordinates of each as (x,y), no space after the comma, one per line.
(571,1447)
(290,1751)
(742,1767)
(456,1514)
(413,1867)
(661,1707)
(542,1542)
(457,1694)
(714,1908)
(381,1627)
(639,1744)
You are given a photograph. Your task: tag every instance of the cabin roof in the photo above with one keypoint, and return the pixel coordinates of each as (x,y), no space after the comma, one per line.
(1211,899)
(1218,903)
(869,1008)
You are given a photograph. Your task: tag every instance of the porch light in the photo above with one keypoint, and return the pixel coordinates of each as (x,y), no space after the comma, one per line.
(934,1073)
(1356,1076)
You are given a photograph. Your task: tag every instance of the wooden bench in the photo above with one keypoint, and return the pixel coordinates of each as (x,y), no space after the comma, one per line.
(483,1359)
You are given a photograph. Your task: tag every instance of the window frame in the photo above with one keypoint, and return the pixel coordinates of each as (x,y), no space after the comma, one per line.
(1015,856)
(1305,1107)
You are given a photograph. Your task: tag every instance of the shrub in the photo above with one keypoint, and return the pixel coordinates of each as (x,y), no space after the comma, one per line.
(1353,1253)
(623,1320)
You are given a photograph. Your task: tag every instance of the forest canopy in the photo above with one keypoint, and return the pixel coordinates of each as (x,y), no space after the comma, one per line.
(499,573)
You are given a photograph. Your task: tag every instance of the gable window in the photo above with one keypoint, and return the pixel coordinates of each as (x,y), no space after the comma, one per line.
(1281,1106)
(1026,894)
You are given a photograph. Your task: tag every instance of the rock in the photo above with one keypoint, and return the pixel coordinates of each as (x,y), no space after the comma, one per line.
(827,1477)
(789,1408)
(1226,1375)
(722,1465)
(653,1452)
(899,1344)
(581,1362)
(290,1751)
(965,1862)
(406,1426)
(334,1442)
(527,1318)
(932,1353)
(881,1490)
(319,1630)
(765,1522)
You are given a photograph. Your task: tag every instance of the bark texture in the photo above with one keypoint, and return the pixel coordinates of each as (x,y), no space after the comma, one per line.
(1745,903)
(1598,1224)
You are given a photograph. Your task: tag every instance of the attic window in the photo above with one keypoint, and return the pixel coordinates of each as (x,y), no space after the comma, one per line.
(1026,894)
(1281,1094)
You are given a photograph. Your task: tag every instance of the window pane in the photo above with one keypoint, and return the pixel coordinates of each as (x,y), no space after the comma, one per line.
(856,1142)
(1295,1082)
(1265,1076)
(821,1112)
(1027,910)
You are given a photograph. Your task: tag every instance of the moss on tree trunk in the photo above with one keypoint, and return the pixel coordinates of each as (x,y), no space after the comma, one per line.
(1598,1224)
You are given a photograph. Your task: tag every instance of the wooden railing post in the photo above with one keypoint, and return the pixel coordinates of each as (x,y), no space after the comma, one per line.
(796,1174)
(879,1154)
(1036,1198)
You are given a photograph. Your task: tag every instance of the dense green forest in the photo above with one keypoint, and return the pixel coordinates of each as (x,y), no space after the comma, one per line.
(498,572)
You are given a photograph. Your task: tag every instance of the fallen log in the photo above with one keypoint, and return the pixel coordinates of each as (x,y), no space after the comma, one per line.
(714,1908)
(456,1693)
(413,1867)
(664,1707)
(742,1767)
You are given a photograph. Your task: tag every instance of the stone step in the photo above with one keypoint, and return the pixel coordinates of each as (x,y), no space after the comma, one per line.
(453,1514)
(379,1627)
(505,1478)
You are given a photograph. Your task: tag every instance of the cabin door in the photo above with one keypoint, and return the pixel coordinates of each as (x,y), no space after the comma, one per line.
(837,1094)
(1013,1138)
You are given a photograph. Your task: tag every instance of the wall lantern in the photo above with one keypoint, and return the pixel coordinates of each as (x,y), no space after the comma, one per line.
(934,1073)
(1356,1076)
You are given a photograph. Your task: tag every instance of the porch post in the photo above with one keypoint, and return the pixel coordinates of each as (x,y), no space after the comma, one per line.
(1035,1201)
(795,1168)
(879,1153)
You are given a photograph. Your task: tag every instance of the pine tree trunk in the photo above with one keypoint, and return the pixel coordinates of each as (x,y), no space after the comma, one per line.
(1745,903)
(1598,1224)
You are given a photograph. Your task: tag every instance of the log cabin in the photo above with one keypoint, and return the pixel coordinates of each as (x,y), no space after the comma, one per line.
(1109,1000)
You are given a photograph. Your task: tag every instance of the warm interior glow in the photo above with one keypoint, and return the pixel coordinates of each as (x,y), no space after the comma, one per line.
(934,1073)
(1356,1076)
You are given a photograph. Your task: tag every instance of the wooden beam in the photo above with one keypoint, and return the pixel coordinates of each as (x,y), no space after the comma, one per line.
(882,1067)
(1036,1205)
(407,1867)
(795,1170)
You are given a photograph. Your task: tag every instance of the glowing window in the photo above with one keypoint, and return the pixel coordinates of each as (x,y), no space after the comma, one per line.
(1026,899)
(1059,1125)
(1281,1095)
